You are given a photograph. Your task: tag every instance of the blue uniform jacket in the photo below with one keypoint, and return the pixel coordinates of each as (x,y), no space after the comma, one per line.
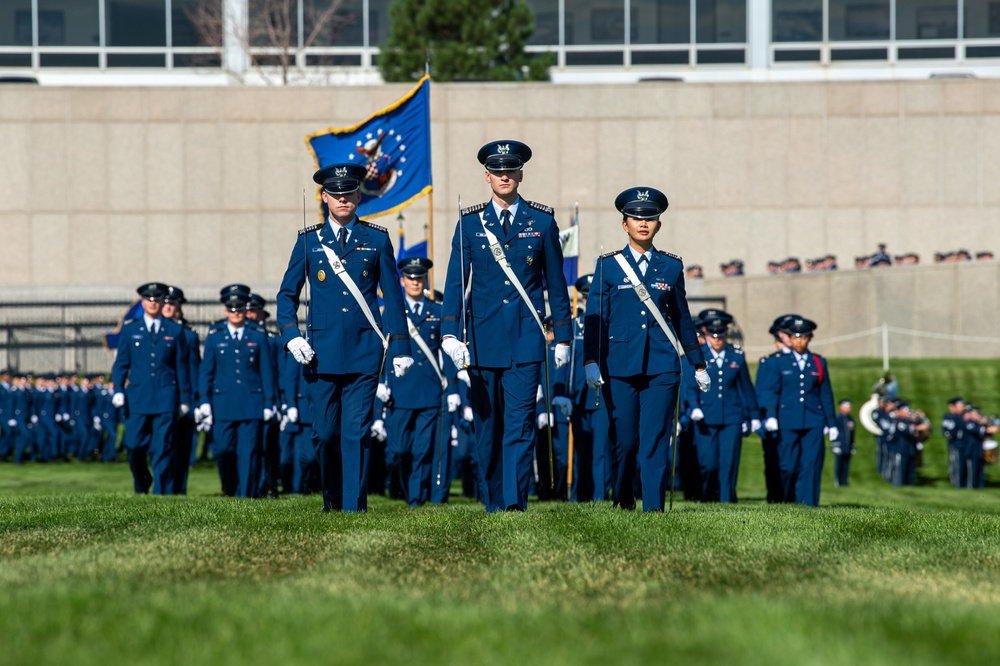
(19,406)
(156,368)
(237,378)
(730,398)
(500,328)
(619,332)
(799,399)
(337,329)
(420,388)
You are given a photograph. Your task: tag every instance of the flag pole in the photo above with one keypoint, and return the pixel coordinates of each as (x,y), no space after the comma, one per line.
(430,240)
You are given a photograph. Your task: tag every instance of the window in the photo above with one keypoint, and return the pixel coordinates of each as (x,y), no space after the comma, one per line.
(797,20)
(135,22)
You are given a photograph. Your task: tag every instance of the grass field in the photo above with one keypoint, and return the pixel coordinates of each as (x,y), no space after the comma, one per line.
(91,574)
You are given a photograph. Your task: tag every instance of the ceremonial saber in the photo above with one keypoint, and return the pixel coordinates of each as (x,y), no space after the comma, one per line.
(549,416)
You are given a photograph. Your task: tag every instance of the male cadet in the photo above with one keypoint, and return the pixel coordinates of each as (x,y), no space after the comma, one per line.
(510,246)
(152,361)
(843,444)
(723,414)
(768,437)
(237,392)
(346,260)
(952,429)
(257,316)
(798,403)
(414,421)
(185,435)
(591,444)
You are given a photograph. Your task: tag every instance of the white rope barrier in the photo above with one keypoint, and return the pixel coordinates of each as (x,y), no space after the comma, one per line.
(891,329)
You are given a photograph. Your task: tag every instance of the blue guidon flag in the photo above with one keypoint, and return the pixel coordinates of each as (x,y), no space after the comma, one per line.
(394,144)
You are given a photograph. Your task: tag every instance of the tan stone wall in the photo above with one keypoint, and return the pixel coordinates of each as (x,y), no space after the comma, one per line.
(101,189)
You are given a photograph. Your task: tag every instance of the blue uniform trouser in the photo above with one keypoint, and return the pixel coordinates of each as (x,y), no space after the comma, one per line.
(239,455)
(22,442)
(842,468)
(503,401)
(109,450)
(464,463)
(412,437)
(342,417)
(286,458)
(970,462)
(442,469)
(641,410)
(800,457)
(150,436)
(297,438)
(718,448)
(772,466)
(591,455)
(183,429)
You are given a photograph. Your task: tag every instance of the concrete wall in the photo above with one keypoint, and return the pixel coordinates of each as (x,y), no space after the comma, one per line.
(101,189)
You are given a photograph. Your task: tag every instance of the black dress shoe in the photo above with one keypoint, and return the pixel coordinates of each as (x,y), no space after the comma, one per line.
(327,508)
(515,508)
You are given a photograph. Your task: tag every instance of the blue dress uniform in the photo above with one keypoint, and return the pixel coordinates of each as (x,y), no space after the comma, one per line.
(725,411)
(951,428)
(18,419)
(238,380)
(344,374)
(185,435)
(801,399)
(591,444)
(152,368)
(642,368)
(506,345)
(843,447)
(297,436)
(270,478)
(414,419)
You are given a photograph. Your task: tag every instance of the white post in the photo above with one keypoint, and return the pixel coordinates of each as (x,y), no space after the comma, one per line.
(235,35)
(758,36)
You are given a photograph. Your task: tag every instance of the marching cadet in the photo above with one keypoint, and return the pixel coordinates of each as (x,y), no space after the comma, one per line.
(345,260)
(976,429)
(445,448)
(628,339)
(6,430)
(237,393)
(769,438)
(297,430)
(415,413)
(46,402)
(591,445)
(723,414)
(19,418)
(270,479)
(109,417)
(82,419)
(951,428)
(185,435)
(797,400)
(506,251)
(843,444)
(152,361)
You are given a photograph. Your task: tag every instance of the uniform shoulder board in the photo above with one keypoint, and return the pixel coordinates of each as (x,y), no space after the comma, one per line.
(374,226)
(128,321)
(610,254)
(474,209)
(540,206)
(309,229)
(670,254)
(763,359)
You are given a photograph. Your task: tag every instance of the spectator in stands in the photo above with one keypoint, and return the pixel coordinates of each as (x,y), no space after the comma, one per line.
(984,255)
(732,268)
(880,258)
(693,272)
(908,258)
(863,261)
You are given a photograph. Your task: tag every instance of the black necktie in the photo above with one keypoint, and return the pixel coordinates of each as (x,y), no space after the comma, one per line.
(342,237)
(506,220)
(642,264)
(416,309)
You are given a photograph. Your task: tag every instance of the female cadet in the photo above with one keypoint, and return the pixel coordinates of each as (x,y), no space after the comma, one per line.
(636,329)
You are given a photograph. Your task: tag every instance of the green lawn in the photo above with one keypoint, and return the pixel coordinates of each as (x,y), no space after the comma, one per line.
(91,574)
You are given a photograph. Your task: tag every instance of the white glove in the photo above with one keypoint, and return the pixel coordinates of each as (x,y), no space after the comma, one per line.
(543,420)
(704,381)
(697,414)
(454,436)
(58,418)
(771,424)
(97,422)
(564,404)
(283,424)
(293,414)
(463,375)
(184,409)
(378,430)
(594,379)
(457,351)
(401,365)
(65,416)
(34,418)
(13,423)
(561,355)
(833,433)
(383,392)
(467,414)
(206,413)
(454,402)
(118,400)
(837,450)
(539,394)
(754,425)
(744,428)
(268,413)
(301,351)
(204,426)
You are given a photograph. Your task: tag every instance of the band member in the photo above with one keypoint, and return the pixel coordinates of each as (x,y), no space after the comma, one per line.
(637,328)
